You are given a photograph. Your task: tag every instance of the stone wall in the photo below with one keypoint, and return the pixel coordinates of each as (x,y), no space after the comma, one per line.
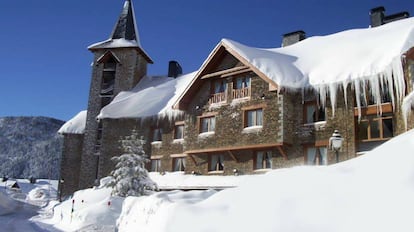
(70,164)
(129,72)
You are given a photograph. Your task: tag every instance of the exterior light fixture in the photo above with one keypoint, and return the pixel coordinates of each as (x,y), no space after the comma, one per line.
(335,143)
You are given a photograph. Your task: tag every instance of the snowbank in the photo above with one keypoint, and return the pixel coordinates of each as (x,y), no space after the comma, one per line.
(370,193)
(153,96)
(7,204)
(89,209)
(76,125)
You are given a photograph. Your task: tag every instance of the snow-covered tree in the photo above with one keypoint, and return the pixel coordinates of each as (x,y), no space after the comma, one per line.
(130,178)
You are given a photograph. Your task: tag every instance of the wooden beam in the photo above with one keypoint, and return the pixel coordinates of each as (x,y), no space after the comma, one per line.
(229,71)
(282,152)
(192,158)
(373,109)
(232,156)
(234,148)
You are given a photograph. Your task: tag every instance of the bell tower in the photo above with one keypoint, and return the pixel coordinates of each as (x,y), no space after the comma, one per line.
(119,63)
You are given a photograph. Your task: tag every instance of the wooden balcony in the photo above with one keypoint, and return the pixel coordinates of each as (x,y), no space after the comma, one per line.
(241,93)
(218,98)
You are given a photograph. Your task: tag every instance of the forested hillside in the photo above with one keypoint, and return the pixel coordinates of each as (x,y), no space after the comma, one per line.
(30,147)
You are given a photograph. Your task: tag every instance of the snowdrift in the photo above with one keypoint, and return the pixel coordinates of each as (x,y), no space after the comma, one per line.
(370,193)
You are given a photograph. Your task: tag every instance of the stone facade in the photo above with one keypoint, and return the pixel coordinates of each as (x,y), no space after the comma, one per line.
(70,168)
(232,118)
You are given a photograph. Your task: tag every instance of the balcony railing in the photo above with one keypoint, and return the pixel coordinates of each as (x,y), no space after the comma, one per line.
(218,98)
(241,93)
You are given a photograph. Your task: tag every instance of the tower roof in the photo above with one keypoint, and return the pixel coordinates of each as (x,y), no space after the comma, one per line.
(125,27)
(125,33)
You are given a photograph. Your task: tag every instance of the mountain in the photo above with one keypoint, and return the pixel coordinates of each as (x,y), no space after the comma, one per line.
(30,147)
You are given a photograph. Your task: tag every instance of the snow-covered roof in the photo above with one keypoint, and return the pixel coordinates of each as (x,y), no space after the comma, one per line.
(153,96)
(76,125)
(360,57)
(336,58)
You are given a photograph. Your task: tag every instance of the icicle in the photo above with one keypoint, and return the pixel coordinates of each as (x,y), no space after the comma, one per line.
(357,86)
(333,89)
(345,88)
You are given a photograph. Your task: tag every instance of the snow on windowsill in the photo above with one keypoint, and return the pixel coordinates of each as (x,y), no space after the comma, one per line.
(206,134)
(157,144)
(215,172)
(317,125)
(252,129)
(178,141)
(262,170)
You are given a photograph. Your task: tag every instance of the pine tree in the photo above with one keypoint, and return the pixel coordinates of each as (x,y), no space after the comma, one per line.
(130,178)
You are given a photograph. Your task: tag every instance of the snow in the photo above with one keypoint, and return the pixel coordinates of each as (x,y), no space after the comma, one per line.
(372,192)
(115,43)
(152,97)
(359,57)
(76,125)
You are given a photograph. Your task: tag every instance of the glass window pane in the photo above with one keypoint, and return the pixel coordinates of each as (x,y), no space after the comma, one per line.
(212,123)
(388,128)
(310,156)
(259,160)
(310,113)
(268,160)
(250,118)
(204,125)
(323,156)
(259,117)
(363,130)
(179,132)
(213,164)
(375,129)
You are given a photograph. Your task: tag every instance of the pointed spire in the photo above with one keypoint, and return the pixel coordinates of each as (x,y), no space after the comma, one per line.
(125,27)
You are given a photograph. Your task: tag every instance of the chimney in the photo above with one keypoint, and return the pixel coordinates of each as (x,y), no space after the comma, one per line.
(293,37)
(395,17)
(377,16)
(174,69)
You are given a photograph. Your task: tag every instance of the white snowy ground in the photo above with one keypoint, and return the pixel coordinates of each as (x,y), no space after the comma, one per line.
(373,192)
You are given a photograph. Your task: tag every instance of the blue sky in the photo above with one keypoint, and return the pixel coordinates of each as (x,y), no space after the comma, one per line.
(45,64)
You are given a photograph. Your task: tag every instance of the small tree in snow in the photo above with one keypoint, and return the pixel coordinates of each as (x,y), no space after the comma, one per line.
(130,178)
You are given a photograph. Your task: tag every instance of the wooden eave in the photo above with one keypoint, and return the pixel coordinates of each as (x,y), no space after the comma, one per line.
(279,146)
(106,55)
(210,62)
(138,49)
(410,54)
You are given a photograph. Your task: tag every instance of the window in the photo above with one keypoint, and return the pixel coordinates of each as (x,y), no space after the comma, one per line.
(313,113)
(179,131)
(155,165)
(241,82)
(216,163)
(218,94)
(108,77)
(316,156)
(375,128)
(156,135)
(179,164)
(263,160)
(241,87)
(219,86)
(207,124)
(254,117)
